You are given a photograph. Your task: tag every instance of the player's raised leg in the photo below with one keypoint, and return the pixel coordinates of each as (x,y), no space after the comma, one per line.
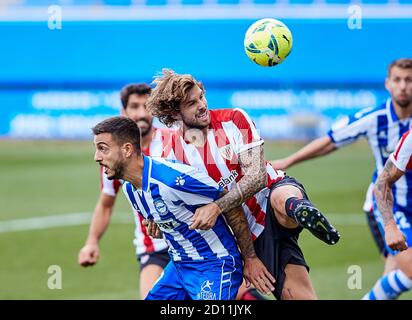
(292,208)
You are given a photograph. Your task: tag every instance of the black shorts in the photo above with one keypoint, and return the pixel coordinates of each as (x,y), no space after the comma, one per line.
(376,234)
(277,246)
(160,258)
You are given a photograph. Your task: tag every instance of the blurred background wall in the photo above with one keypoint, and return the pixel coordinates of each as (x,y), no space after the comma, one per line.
(62,63)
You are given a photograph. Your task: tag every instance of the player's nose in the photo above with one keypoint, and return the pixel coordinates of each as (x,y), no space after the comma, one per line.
(97,156)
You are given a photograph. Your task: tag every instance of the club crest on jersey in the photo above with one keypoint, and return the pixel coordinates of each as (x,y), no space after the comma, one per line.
(206,292)
(226,152)
(160,206)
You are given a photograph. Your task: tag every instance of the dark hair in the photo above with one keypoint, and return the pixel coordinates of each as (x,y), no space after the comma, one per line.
(134,88)
(122,129)
(170,91)
(403,63)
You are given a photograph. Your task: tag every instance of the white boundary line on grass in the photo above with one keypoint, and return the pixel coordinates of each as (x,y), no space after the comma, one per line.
(84,218)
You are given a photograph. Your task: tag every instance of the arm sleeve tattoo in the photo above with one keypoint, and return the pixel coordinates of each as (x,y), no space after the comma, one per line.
(253,165)
(237,221)
(383,190)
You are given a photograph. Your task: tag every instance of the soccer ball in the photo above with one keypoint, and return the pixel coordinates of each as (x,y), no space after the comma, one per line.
(268,42)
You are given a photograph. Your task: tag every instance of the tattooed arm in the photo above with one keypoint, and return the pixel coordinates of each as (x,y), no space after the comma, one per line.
(254,270)
(384,197)
(253,164)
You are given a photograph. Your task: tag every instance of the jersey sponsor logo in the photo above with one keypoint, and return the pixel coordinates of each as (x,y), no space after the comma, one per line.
(180,181)
(223,182)
(226,152)
(206,292)
(168,224)
(160,206)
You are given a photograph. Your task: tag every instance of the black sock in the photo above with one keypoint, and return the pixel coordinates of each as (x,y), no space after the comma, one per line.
(293,203)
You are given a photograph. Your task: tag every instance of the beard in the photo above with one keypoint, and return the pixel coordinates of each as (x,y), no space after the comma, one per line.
(118,169)
(145,130)
(403,103)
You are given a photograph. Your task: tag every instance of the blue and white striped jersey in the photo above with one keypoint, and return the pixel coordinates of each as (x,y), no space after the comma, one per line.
(382,128)
(171,193)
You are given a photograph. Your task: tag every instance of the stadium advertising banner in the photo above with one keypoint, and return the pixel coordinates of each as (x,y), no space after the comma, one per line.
(279,114)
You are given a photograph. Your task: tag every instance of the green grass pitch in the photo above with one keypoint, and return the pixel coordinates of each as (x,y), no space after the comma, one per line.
(46,178)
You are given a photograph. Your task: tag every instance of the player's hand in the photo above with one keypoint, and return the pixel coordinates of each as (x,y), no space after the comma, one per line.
(255,272)
(394,237)
(89,255)
(205,217)
(280,164)
(153,229)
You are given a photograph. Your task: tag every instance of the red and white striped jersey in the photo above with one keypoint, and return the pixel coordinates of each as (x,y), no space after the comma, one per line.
(402,157)
(231,132)
(143,242)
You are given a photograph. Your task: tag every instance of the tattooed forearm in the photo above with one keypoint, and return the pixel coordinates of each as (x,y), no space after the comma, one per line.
(253,165)
(383,190)
(238,223)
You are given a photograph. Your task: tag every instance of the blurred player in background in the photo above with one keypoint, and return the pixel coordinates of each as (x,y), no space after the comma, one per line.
(151,253)
(206,264)
(396,228)
(382,127)
(226,144)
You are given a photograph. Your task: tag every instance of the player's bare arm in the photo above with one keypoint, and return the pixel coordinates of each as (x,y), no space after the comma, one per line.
(319,147)
(254,270)
(384,197)
(253,164)
(89,254)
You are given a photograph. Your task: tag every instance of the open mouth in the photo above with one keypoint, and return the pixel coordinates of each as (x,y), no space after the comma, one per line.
(203,116)
(106,169)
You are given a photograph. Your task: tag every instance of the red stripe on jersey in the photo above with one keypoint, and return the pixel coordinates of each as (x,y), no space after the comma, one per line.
(395,155)
(223,143)
(116,185)
(257,211)
(211,167)
(177,147)
(147,240)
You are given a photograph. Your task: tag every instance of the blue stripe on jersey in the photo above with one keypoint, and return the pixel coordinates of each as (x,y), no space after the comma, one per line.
(171,177)
(146,212)
(382,135)
(178,248)
(197,241)
(191,208)
(132,199)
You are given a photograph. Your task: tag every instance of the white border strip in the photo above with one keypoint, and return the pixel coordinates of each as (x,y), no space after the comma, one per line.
(84,218)
(207,12)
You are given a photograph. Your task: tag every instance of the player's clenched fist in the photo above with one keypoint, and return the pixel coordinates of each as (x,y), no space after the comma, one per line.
(152,228)
(394,237)
(89,255)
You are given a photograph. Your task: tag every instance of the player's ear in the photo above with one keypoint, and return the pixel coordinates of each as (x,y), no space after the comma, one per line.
(127,150)
(123,112)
